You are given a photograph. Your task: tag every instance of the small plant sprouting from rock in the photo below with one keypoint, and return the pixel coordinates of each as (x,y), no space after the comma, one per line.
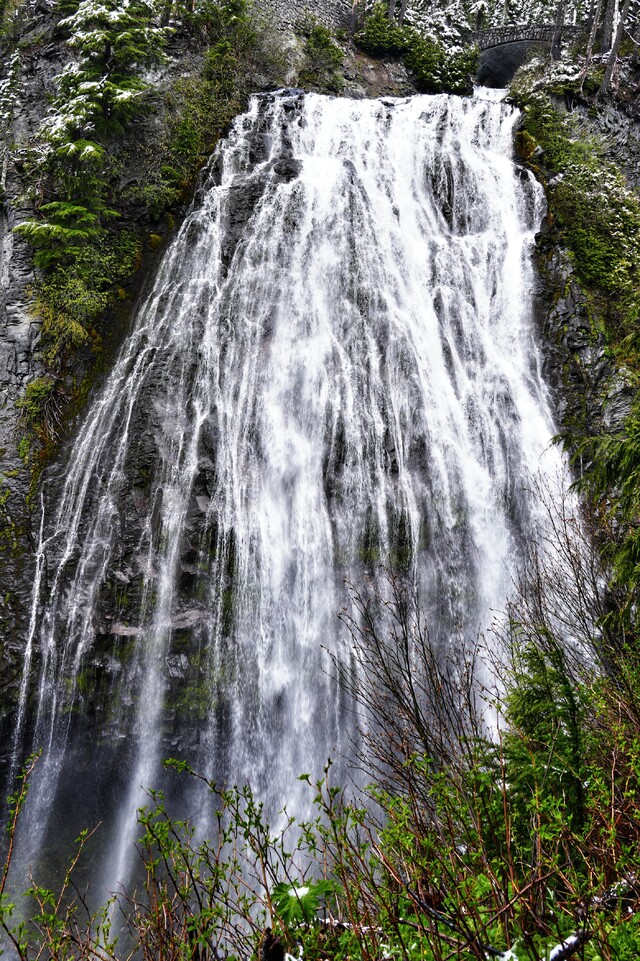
(41,414)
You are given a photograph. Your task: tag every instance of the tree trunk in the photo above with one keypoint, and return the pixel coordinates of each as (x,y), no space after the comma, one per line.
(592,39)
(635,34)
(557,31)
(613,56)
(353,24)
(392,10)
(166,13)
(608,26)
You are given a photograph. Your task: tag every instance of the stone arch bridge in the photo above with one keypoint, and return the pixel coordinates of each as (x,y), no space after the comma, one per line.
(520,33)
(504,49)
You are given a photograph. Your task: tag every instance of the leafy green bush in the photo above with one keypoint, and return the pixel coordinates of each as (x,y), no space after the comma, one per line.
(322,58)
(514,837)
(472,859)
(36,396)
(301,903)
(435,68)
(381,36)
(322,50)
(71,299)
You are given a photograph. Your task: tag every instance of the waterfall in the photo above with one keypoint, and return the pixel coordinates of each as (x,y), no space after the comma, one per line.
(336,368)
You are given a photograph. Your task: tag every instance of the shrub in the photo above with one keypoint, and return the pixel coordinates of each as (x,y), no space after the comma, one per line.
(40,410)
(322,58)
(70,300)
(435,68)
(321,51)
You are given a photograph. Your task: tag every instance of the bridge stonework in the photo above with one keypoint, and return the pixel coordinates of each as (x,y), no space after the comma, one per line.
(518,33)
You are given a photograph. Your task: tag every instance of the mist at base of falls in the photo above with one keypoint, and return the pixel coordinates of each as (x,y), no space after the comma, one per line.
(336,369)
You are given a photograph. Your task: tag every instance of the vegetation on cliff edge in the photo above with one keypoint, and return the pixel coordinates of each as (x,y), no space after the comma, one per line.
(89,232)
(596,215)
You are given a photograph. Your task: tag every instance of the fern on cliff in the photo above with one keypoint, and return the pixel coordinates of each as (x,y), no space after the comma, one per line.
(59,236)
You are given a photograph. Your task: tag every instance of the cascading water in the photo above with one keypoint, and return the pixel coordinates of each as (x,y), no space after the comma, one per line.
(336,368)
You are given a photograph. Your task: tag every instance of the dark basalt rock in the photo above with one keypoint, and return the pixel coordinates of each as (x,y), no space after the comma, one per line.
(244,196)
(287,168)
(589,394)
(20,360)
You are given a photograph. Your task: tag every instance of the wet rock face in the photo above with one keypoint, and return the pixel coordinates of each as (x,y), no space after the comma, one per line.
(622,135)
(19,333)
(20,362)
(366,77)
(590,395)
(289,13)
(247,193)
(124,591)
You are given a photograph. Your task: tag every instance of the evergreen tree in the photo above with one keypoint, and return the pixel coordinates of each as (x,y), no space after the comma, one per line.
(113,39)
(97,93)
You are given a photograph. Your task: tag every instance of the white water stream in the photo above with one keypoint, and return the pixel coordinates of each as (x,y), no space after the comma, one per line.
(355,380)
